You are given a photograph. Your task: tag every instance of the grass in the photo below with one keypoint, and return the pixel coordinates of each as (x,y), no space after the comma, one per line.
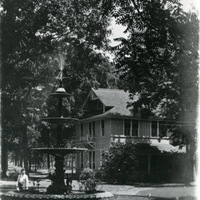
(128,192)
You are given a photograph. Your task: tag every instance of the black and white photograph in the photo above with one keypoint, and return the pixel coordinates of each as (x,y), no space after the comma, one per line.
(99,99)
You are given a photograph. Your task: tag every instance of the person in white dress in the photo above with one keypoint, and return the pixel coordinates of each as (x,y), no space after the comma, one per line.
(22,181)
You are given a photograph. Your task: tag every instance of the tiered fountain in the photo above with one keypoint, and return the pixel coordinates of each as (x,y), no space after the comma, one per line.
(59,151)
(58,189)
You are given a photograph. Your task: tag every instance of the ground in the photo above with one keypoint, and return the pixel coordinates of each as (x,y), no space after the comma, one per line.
(130,192)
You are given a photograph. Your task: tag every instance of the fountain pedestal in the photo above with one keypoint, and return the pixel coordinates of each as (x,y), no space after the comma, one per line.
(58,186)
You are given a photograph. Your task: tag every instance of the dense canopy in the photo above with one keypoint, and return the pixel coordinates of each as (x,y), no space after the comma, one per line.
(39,38)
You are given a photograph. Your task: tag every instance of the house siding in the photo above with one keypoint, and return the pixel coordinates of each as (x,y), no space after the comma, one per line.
(100,142)
(113,132)
(116,127)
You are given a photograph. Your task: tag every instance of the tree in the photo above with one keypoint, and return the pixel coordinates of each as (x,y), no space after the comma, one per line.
(159,60)
(33,34)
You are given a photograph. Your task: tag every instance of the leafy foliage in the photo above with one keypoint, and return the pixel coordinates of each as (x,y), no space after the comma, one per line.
(159,59)
(120,161)
(34,34)
(88,176)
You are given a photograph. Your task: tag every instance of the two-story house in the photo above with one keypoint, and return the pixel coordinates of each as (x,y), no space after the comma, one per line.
(108,120)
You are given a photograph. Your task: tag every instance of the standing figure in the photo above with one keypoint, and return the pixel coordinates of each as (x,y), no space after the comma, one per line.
(22,181)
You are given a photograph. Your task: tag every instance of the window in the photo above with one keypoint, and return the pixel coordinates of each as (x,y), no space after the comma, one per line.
(130,127)
(93,128)
(92,159)
(154,129)
(134,128)
(99,105)
(81,160)
(81,130)
(127,127)
(164,128)
(101,157)
(90,129)
(102,127)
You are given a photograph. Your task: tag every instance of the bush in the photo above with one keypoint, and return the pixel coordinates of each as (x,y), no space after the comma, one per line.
(99,175)
(87,173)
(88,177)
(121,161)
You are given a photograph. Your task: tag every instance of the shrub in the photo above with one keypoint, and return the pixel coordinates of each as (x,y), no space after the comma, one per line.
(121,161)
(87,173)
(89,179)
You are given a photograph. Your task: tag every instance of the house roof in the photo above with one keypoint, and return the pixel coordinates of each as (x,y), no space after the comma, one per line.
(113,97)
(116,99)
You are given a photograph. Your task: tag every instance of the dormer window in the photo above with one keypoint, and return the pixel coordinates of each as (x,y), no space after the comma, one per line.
(99,105)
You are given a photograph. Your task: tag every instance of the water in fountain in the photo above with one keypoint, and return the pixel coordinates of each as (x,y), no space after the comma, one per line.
(61,62)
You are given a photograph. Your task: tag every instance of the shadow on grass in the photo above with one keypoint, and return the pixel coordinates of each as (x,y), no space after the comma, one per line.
(135,197)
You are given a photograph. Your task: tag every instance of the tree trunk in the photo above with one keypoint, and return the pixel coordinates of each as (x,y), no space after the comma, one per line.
(48,156)
(4,157)
(25,148)
(30,162)
(35,166)
(48,161)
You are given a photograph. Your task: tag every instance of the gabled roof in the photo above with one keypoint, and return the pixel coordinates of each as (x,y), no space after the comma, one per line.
(112,97)
(116,99)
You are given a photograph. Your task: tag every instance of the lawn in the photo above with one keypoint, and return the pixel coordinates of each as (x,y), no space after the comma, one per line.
(128,192)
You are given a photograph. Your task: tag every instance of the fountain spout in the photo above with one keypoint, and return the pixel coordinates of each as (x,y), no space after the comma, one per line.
(60,78)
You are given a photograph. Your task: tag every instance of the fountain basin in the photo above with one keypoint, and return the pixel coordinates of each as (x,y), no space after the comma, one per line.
(12,195)
(60,93)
